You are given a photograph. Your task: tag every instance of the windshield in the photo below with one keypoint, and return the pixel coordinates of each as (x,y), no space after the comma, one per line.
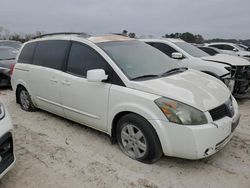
(191,49)
(241,47)
(7,53)
(138,59)
(13,44)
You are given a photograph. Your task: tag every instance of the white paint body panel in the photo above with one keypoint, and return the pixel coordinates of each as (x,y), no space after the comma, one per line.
(228,59)
(96,104)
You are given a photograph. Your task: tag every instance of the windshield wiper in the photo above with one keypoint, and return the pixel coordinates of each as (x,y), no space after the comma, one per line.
(174,70)
(145,76)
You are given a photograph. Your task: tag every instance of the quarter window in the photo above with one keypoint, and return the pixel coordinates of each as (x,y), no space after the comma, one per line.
(228,47)
(83,58)
(51,53)
(166,49)
(27,53)
(221,47)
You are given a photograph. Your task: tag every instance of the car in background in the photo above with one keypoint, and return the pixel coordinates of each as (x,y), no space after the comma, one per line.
(11,43)
(7,61)
(231,49)
(247,48)
(233,71)
(210,50)
(7,157)
(128,90)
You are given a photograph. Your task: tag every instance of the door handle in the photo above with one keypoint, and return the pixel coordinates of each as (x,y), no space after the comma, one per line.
(54,80)
(66,82)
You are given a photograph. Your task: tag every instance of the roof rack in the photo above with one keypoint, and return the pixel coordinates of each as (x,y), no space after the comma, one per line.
(63,33)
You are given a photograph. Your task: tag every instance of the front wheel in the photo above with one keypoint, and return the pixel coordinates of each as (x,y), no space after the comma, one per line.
(138,139)
(25,100)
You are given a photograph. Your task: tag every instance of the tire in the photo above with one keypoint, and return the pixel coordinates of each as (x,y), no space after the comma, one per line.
(138,139)
(25,100)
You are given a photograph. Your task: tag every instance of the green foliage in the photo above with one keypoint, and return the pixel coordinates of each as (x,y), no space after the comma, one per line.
(187,36)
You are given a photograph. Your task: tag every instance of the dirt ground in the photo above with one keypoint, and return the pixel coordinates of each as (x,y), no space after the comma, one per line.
(54,152)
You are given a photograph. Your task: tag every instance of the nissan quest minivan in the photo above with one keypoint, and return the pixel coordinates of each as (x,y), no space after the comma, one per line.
(128,90)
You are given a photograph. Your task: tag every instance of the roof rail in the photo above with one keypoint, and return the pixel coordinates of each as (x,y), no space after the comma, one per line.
(62,33)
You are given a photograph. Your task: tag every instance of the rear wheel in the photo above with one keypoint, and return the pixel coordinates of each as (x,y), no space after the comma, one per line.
(25,100)
(138,139)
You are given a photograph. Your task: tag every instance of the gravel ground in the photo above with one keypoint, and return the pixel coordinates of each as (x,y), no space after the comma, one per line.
(54,152)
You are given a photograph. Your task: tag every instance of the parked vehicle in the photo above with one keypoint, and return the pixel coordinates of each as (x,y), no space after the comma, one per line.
(7,158)
(11,43)
(233,71)
(7,60)
(247,48)
(210,50)
(231,49)
(128,90)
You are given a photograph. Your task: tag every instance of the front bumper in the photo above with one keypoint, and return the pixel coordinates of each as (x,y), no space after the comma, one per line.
(195,142)
(7,158)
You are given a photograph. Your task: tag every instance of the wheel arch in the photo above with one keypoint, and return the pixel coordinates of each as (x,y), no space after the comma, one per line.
(118,116)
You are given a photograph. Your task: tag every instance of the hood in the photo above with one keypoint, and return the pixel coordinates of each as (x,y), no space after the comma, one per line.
(245,53)
(191,87)
(227,59)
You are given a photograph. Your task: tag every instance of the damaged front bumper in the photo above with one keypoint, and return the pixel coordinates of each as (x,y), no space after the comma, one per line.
(239,81)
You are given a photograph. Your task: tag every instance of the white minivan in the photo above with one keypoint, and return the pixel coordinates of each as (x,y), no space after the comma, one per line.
(128,90)
(7,158)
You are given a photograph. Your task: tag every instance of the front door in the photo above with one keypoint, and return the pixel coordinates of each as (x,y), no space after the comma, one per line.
(83,101)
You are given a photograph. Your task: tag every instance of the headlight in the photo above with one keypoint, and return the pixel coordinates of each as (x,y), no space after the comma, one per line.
(180,113)
(2,112)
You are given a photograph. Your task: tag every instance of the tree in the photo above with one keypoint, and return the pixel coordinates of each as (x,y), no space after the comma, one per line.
(125,32)
(131,35)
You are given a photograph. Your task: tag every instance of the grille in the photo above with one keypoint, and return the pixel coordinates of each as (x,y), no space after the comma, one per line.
(223,110)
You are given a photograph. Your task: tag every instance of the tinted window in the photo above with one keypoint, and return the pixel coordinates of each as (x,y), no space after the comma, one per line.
(83,58)
(217,46)
(27,53)
(210,51)
(166,49)
(51,53)
(228,47)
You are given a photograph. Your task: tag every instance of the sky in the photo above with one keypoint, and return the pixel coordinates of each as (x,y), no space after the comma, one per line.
(210,18)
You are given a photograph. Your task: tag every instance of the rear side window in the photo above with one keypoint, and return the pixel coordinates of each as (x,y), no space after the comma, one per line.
(83,58)
(166,49)
(221,47)
(27,53)
(51,53)
(210,51)
(228,47)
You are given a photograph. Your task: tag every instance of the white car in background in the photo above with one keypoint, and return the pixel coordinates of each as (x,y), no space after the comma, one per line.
(7,158)
(128,90)
(231,49)
(233,71)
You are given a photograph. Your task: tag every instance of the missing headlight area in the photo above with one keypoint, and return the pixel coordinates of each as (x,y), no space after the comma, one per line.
(241,75)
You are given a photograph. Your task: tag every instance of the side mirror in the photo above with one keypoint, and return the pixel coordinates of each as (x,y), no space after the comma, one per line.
(96,75)
(235,50)
(177,55)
